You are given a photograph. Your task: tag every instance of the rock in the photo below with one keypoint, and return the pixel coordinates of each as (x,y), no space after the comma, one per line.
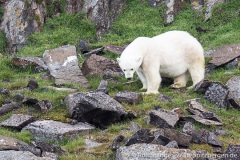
(172,8)
(233,104)
(134,126)
(8,143)
(164,98)
(30,101)
(141,136)
(19,21)
(50,155)
(233,64)
(160,138)
(154,3)
(95,108)
(43,106)
(49,130)
(114,49)
(163,118)
(46,147)
(217,150)
(91,144)
(200,137)
(7,101)
(62,63)
(4,91)
(60,89)
(112,73)
(96,65)
(9,107)
(18,97)
(172,144)
(217,94)
(221,132)
(128,97)
(203,121)
(197,5)
(32,84)
(232,152)
(210,4)
(225,54)
(103,86)
(18,121)
(202,86)
(34,63)
(96,51)
(117,142)
(83,46)
(213,140)
(152,152)
(234,87)
(179,111)
(188,128)
(23,155)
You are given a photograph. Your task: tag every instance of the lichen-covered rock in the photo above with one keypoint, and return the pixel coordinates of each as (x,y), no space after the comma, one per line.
(128,97)
(172,8)
(164,98)
(43,106)
(141,136)
(62,63)
(23,155)
(233,85)
(202,86)
(233,152)
(188,128)
(8,143)
(95,108)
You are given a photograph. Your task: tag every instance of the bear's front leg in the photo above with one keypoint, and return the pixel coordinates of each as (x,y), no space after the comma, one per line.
(153,80)
(142,78)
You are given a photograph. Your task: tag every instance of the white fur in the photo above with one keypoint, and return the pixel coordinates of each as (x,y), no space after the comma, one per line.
(174,54)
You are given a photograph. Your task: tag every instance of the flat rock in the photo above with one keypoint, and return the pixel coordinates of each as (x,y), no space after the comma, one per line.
(141,136)
(103,86)
(188,128)
(62,63)
(163,118)
(164,98)
(9,107)
(128,97)
(18,121)
(113,49)
(172,144)
(206,122)
(8,143)
(95,108)
(234,87)
(49,130)
(225,54)
(232,152)
(23,155)
(36,63)
(89,144)
(152,152)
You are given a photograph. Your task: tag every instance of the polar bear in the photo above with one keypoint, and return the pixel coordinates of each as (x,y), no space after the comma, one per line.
(174,54)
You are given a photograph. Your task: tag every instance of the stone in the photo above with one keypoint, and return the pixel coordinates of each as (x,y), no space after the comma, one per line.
(47,147)
(32,84)
(172,8)
(179,111)
(128,97)
(200,137)
(152,152)
(44,106)
(234,87)
(141,136)
(49,130)
(134,126)
(160,138)
(203,121)
(62,63)
(8,143)
(18,97)
(225,54)
(103,86)
(210,4)
(233,64)
(213,140)
(96,65)
(83,46)
(7,101)
(4,91)
(202,86)
(60,89)
(117,142)
(23,155)
(89,144)
(18,121)
(164,98)
(50,155)
(188,128)
(217,150)
(95,108)
(9,107)
(163,118)
(113,49)
(172,144)
(217,94)
(97,51)
(197,5)
(220,131)
(154,3)
(233,104)
(232,152)
(30,101)
(35,63)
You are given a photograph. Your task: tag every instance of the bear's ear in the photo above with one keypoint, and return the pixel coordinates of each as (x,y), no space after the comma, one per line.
(118,60)
(138,59)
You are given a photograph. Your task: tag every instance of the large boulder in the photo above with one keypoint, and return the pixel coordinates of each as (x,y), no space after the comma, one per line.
(95,108)
(23,155)
(8,143)
(62,63)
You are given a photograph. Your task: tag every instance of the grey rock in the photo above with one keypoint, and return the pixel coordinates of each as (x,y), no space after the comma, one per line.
(200,137)
(221,132)
(23,155)
(95,108)
(46,147)
(32,84)
(44,106)
(18,121)
(210,4)
(35,63)
(163,118)
(50,155)
(117,142)
(154,3)
(128,97)
(97,51)
(103,86)
(60,89)
(113,49)
(4,91)
(134,126)
(7,101)
(62,63)
(9,107)
(141,136)
(188,128)
(217,150)
(8,143)
(18,97)
(30,101)
(89,144)
(213,140)
(203,121)
(234,87)
(83,46)
(151,152)
(233,64)
(217,94)
(172,8)
(232,152)
(96,65)
(49,130)
(172,144)
(179,111)
(202,86)
(164,98)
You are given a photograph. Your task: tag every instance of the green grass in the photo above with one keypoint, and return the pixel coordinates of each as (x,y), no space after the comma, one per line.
(137,19)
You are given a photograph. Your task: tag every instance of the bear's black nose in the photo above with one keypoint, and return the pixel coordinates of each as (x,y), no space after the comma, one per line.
(129,78)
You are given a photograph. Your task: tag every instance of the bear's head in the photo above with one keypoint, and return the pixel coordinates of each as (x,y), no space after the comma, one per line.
(129,66)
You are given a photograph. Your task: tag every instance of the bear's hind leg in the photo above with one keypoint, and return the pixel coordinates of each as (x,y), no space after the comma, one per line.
(197,74)
(180,81)
(142,79)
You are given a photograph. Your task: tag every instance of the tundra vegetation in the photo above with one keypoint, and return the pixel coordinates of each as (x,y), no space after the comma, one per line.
(137,19)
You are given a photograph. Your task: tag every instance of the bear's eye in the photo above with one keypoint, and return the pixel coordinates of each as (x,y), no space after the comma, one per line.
(132,69)
(124,70)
